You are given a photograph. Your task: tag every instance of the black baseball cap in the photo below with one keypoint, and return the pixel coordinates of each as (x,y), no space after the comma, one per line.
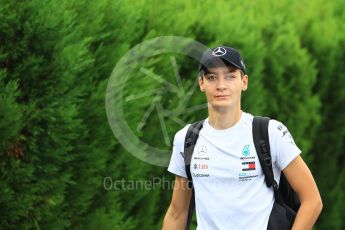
(220,56)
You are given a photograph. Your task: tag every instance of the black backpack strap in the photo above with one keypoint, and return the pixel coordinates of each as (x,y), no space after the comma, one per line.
(189,144)
(262,146)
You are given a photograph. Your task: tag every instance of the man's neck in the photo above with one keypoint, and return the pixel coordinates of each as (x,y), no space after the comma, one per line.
(222,118)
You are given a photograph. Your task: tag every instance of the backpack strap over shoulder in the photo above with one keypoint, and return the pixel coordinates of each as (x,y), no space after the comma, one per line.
(262,146)
(189,144)
(284,195)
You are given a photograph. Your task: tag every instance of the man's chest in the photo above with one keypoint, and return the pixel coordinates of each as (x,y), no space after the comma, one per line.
(229,160)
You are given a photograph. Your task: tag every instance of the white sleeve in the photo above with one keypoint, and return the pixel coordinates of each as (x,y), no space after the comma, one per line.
(177,165)
(283,147)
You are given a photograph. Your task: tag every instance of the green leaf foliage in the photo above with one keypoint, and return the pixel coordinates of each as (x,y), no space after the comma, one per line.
(61,165)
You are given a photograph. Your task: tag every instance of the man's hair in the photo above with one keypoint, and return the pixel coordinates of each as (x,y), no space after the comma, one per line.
(231,67)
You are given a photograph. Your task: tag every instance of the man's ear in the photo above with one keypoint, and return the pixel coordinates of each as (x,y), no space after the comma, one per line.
(201,84)
(245,82)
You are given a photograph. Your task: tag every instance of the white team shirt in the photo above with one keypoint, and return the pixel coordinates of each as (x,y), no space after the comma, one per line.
(230,188)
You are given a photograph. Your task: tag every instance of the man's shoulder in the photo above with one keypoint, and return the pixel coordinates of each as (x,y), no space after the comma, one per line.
(274,127)
(273,123)
(181,134)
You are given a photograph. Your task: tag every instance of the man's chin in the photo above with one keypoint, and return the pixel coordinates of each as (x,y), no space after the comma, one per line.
(220,105)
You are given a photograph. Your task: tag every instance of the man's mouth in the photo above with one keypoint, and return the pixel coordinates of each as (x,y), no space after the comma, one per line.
(222,96)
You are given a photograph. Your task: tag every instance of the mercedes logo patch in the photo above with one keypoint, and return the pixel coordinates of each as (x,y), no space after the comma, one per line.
(219,51)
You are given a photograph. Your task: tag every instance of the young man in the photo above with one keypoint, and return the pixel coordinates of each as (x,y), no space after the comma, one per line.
(227,197)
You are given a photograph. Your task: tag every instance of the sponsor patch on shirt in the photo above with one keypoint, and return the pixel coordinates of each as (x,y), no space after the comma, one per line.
(248,165)
(244,177)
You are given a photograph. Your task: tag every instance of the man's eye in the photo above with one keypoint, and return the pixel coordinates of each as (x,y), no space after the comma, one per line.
(230,76)
(210,77)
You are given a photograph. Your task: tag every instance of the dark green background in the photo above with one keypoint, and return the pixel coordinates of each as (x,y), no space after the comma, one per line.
(56,146)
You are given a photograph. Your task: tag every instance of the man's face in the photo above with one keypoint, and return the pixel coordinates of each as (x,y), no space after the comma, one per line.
(223,86)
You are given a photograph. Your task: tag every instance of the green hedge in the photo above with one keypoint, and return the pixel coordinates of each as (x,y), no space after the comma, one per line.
(56,146)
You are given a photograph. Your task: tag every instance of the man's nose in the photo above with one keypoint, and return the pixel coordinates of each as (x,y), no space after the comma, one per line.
(221,83)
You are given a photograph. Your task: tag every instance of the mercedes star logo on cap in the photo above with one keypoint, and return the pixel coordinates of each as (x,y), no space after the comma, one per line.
(219,51)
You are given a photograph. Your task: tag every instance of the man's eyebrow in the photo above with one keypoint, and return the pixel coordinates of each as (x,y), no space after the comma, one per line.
(227,71)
